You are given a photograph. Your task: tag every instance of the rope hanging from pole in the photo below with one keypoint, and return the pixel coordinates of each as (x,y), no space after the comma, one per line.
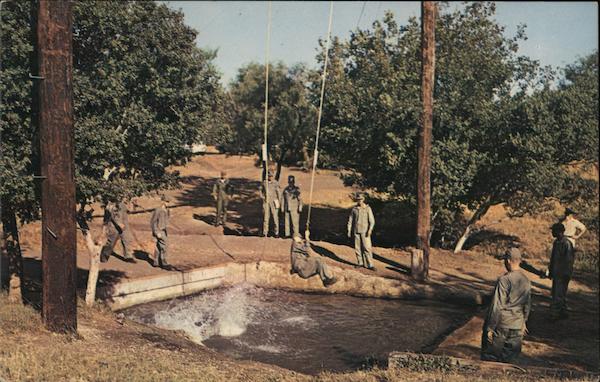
(316,152)
(265,147)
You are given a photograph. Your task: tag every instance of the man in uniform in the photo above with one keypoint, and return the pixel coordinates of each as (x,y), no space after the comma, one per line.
(292,206)
(572,225)
(360,224)
(272,193)
(159,223)
(505,323)
(560,271)
(222,191)
(116,224)
(306,264)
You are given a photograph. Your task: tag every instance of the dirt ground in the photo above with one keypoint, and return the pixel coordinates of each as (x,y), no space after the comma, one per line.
(194,242)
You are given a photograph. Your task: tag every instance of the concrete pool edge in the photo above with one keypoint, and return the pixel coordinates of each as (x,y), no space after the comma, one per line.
(275,275)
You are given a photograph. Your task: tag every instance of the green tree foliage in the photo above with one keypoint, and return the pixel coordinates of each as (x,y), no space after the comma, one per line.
(142,90)
(292,117)
(495,129)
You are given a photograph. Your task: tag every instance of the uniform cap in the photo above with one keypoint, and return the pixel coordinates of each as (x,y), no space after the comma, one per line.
(512,254)
(570,211)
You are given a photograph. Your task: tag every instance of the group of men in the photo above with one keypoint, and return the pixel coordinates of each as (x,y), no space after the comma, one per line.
(506,319)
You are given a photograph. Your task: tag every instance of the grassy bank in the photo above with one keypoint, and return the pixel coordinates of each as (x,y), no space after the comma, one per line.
(106,350)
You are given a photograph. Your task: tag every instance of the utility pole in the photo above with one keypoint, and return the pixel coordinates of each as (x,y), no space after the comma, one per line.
(59,245)
(420,257)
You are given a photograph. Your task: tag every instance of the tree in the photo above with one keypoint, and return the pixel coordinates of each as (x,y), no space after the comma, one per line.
(143,90)
(292,118)
(494,131)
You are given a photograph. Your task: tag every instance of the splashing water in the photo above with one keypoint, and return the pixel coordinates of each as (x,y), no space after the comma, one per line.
(304,332)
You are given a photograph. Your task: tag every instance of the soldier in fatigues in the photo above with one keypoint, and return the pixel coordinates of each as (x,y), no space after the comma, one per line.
(560,271)
(505,323)
(222,191)
(159,223)
(292,206)
(572,226)
(306,264)
(116,224)
(360,224)
(271,210)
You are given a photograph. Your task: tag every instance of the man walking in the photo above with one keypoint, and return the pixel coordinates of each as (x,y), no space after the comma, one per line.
(292,206)
(159,223)
(116,224)
(271,192)
(307,265)
(560,271)
(222,191)
(505,323)
(360,224)
(572,226)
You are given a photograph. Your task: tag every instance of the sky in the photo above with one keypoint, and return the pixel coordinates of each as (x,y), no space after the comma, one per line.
(558,32)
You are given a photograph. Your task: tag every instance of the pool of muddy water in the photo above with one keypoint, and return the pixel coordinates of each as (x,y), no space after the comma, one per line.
(308,333)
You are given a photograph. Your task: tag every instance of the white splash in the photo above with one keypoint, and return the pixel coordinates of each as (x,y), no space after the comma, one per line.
(214,313)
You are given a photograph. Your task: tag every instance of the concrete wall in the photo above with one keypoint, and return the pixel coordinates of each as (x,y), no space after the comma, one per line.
(275,275)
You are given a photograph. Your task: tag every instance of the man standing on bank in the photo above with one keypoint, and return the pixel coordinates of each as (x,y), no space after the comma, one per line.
(159,223)
(572,225)
(560,271)
(271,191)
(292,206)
(306,264)
(116,224)
(360,224)
(505,323)
(222,191)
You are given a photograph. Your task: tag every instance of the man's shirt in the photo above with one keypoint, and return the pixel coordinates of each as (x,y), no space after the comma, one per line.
(511,303)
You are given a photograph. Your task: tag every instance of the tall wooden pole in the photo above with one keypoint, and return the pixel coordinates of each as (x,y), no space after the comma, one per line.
(420,268)
(59,248)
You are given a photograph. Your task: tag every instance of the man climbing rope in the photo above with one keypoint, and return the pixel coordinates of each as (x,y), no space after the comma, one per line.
(360,224)
(292,206)
(306,264)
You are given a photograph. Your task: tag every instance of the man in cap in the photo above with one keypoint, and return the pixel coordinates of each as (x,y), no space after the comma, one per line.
(222,191)
(505,323)
(572,226)
(306,264)
(292,206)
(271,192)
(159,223)
(360,224)
(560,270)
(116,225)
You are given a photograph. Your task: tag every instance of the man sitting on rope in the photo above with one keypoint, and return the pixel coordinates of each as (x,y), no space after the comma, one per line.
(306,264)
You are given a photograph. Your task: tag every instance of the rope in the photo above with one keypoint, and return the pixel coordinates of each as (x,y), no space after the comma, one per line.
(265,150)
(316,152)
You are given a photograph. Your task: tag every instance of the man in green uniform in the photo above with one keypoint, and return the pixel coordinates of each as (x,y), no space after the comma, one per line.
(222,191)
(159,223)
(116,224)
(505,323)
(560,271)
(271,193)
(306,264)
(292,206)
(360,224)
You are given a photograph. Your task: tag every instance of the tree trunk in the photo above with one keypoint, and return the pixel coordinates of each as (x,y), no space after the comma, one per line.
(12,249)
(306,156)
(280,162)
(93,247)
(481,211)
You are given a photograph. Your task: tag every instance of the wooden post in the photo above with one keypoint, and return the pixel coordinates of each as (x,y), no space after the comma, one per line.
(428,10)
(59,246)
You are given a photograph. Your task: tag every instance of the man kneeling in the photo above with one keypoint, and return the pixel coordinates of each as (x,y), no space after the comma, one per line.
(307,265)
(505,323)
